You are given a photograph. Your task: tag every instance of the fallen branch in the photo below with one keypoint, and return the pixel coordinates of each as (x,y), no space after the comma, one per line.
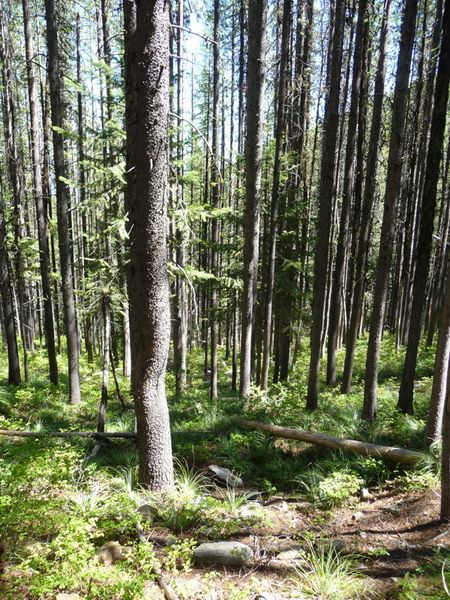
(400,455)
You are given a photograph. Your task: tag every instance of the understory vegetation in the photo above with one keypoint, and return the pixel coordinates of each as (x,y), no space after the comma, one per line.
(61,500)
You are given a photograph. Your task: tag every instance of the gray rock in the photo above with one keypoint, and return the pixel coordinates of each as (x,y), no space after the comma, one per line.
(392,510)
(358,516)
(226,476)
(146,512)
(289,555)
(226,553)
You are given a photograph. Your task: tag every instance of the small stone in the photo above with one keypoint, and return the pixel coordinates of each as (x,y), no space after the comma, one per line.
(223,553)
(110,553)
(226,476)
(357,516)
(146,512)
(282,506)
(392,510)
(289,555)
(363,534)
(365,494)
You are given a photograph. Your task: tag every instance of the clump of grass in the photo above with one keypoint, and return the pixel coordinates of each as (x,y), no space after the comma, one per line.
(234,498)
(329,576)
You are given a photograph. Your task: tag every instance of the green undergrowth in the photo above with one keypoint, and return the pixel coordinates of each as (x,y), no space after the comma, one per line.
(60,500)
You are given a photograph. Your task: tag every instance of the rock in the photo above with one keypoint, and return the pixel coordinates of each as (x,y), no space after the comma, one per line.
(357,516)
(282,506)
(223,553)
(365,495)
(146,512)
(392,510)
(110,553)
(226,476)
(289,555)
(332,545)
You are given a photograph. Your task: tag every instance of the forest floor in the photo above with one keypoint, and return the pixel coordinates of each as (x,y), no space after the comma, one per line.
(321,524)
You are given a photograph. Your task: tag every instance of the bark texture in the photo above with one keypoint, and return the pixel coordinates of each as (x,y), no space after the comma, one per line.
(147,64)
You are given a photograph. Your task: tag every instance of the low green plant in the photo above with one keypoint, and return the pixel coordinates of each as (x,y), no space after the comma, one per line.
(178,558)
(329,576)
(329,490)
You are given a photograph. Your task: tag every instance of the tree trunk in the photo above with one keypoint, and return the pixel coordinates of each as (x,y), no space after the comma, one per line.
(367,206)
(428,205)
(393,180)
(63,201)
(7,302)
(44,255)
(180,313)
(106,314)
(434,421)
(275,200)
(327,173)
(147,76)
(215,195)
(257,16)
(339,269)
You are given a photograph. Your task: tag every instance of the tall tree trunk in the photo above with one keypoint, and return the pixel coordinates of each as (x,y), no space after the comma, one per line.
(275,199)
(393,180)
(44,254)
(367,206)
(257,16)
(180,313)
(16,177)
(434,421)
(215,195)
(56,70)
(147,76)
(428,205)
(83,207)
(327,174)
(7,302)
(339,269)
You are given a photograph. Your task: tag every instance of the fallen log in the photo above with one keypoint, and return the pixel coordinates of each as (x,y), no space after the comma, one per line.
(66,434)
(400,455)
(96,435)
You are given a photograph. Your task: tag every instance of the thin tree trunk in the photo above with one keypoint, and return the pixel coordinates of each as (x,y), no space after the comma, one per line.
(342,244)
(44,255)
(428,206)
(393,180)
(257,15)
(7,302)
(326,187)
(63,201)
(106,314)
(367,206)
(275,200)
(434,421)
(215,195)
